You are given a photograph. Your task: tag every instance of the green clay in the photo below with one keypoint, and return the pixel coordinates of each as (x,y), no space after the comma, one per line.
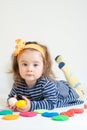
(60,118)
(40,111)
(5,112)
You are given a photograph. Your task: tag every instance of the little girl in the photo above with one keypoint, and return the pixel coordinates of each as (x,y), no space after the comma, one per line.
(34,80)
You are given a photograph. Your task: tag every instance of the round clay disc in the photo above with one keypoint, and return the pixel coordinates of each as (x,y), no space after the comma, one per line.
(85,106)
(40,111)
(5,112)
(60,118)
(50,114)
(28,114)
(10,117)
(78,110)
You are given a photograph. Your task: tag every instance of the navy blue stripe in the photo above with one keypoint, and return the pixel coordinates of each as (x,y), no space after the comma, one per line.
(47,94)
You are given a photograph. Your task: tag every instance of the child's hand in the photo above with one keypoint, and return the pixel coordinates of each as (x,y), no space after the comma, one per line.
(11,103)
(26,108)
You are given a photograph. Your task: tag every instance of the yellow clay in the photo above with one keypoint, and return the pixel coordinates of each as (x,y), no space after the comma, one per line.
(21,103)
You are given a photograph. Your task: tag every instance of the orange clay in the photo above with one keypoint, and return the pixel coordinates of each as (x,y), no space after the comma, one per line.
(10,117)
(85,106)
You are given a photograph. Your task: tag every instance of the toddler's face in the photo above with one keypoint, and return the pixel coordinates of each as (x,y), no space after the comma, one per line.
(31,65)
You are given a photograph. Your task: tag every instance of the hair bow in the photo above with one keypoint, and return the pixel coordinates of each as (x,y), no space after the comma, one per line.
(19,47)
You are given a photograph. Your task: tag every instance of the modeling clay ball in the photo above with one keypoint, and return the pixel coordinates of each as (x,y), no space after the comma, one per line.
(12,101)
(21,103)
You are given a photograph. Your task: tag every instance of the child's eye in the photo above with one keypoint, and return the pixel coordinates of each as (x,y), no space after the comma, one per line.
(35,65)
(24,64)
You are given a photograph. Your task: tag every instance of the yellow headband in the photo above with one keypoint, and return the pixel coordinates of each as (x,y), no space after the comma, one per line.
(21,46)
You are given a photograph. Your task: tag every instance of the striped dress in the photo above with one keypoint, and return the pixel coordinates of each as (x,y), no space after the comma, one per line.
(46,94)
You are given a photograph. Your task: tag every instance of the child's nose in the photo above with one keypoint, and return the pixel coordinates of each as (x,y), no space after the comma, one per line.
(29,68)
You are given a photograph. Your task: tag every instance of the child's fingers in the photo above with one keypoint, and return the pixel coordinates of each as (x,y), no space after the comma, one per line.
(26,99)
(15,96)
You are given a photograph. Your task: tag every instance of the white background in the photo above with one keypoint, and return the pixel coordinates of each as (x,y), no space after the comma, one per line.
(59,24)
